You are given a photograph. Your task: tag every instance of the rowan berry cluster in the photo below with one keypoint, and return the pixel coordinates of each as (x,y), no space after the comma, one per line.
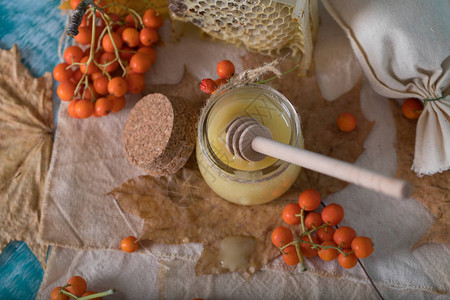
(319,235)
(76,288)
(225,69)
(117,53)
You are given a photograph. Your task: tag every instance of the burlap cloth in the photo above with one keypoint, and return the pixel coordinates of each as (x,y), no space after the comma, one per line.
(88,162)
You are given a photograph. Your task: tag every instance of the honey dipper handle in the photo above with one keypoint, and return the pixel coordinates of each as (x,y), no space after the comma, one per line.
(332,167)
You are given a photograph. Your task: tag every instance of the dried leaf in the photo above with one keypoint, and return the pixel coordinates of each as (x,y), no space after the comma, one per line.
(432,191)
(26,124)
(207,219)
(203,217)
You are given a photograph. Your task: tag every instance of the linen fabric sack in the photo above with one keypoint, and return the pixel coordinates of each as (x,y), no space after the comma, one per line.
(403,47)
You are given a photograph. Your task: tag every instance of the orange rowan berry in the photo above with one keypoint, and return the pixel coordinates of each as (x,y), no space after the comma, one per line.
(313,220)
(140,62)
(101,85)
(281,236)
(129,244)
(103,107)
(328,254)
(306,248)
(118,103)
(115,20)
(96,75)
(107,58)
(94,114)
(126,53)
(107,43)
(362,246)
(152,20)
(225,69)
(346,122)
(74,3)
(130,37)
(90,92)
(61,73)
(77,75)
(412,108)
(120,30)
(135,83)
(290,256)
(73,54)
(84,109)
(56,295)
(117,86)
(208,85)
(332,214)
(309,200)
(84,35)
(149,13)
(220,81)
(77,285)
(348,261)
(66,90)
(325,233)
(84,21)
(91,69)
(71,109)
(97,55)
(344,236)
(289,214)
(129,21)
(149,51)
(148,36)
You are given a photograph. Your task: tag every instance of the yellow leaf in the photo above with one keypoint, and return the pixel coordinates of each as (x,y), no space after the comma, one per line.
(65,4)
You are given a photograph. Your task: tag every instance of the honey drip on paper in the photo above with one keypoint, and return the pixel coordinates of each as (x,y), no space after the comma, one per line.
(235,252)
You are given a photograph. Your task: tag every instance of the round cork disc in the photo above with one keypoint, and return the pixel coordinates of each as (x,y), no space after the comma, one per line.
(159,134)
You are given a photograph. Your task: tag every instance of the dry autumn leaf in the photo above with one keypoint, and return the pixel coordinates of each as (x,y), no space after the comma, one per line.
(181,208)
(26,124)
(432,191)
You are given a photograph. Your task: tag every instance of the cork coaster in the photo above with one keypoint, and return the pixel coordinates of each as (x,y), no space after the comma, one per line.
(160,134)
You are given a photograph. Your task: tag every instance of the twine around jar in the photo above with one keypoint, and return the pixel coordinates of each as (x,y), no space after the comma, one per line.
(255,75)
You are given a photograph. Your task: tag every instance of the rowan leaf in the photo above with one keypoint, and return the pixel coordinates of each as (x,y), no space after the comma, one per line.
(26,125)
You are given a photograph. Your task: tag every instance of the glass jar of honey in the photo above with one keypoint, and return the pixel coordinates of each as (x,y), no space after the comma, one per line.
(231,177)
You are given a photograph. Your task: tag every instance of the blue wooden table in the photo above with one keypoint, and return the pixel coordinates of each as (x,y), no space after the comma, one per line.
(35,26)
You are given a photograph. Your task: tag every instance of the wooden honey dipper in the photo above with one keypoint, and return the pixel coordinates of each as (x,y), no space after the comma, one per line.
(252,141)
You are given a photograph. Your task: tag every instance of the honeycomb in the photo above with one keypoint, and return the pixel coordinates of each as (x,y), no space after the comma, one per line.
(264,26)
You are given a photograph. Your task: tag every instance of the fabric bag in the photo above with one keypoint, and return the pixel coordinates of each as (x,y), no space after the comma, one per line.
(403,47)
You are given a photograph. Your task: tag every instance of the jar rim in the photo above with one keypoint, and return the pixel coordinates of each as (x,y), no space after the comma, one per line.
(268,172)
